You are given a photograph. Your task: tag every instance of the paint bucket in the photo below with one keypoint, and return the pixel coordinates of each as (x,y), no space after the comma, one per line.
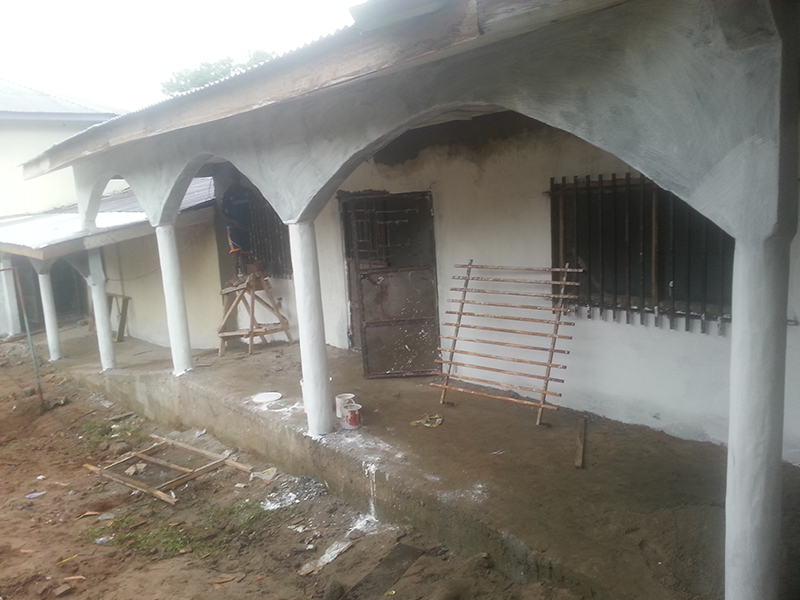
(341,400)
(352,416)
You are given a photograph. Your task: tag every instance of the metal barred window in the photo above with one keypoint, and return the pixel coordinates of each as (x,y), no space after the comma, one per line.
(643,250)
(269,240)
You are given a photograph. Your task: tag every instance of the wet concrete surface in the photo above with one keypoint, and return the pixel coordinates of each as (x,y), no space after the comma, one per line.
(643,519)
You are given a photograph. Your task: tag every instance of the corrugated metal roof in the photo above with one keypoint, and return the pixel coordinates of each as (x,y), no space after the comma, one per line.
(200,190)
(22,101)
(40,231)
(117,211)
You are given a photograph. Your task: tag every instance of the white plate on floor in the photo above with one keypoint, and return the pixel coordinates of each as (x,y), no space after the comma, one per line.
(265,397)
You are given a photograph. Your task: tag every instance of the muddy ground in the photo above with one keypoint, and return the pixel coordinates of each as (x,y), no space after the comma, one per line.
(67,532)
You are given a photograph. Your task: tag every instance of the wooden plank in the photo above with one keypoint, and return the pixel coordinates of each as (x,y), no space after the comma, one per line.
(211,455)
(231,309)
(506,305)
(246,332)
(132,483)
(464,291)
(581,443)
(485,395)
(123,318)
(506,385)
(536,333)
(504,371)
(127,457)
(524,281)
(161,463)
(508,318)
(267,287)
(506,358)
(522,294)
(193,474)
(509,344)
(523,269)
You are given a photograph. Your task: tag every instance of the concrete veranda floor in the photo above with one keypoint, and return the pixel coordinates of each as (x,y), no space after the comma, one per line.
(643,519)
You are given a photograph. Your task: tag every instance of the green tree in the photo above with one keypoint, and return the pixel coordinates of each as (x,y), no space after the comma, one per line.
(187,80)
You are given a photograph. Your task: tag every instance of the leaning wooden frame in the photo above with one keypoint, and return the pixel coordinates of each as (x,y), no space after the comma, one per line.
(504,288)
(184,473)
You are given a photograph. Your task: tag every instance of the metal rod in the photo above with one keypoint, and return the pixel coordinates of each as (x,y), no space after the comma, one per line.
(602,249)
(655,294)
(589,245)
(505,317)
(614,239)
(722,282)
(687,322)
(672,261)
(507,358)
(561,228)
(704,304)
(584,278)
(642,275)
(628,248)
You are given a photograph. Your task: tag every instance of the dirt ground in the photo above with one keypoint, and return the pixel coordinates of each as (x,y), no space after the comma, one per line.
(67,532)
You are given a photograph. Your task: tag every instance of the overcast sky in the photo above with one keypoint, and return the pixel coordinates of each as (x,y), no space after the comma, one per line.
(118,53)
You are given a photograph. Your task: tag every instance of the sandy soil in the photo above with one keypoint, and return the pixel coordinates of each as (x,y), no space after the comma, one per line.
(69,533)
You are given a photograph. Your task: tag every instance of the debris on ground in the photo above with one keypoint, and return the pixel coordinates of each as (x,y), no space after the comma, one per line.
(89,536)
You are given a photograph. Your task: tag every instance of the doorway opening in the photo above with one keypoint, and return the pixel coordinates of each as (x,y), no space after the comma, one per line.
(391,274)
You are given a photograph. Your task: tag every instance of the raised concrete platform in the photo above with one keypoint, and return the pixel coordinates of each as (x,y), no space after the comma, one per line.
(644,519)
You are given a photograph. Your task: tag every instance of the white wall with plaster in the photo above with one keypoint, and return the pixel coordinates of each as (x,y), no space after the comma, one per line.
(132,268)
(22,140)
(490,206)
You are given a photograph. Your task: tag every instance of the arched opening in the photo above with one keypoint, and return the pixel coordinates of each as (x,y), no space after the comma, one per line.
(490,179)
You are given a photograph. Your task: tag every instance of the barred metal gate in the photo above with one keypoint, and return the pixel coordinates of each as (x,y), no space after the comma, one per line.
(389,248)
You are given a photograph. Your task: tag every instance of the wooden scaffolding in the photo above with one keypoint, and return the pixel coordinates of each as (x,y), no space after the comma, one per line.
(246,293)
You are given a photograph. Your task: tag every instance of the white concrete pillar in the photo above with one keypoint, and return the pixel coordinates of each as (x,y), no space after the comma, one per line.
(755,438)
(317,397)
(9,307)
(50,316)
(102,316)
(177,321)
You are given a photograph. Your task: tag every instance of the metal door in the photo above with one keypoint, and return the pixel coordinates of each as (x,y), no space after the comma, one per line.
(392,282)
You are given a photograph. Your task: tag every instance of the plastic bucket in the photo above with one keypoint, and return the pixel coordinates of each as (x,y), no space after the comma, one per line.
(351,418)
(341,400)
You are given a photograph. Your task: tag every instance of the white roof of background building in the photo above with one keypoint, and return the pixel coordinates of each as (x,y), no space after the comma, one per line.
(20,102)
(60,232)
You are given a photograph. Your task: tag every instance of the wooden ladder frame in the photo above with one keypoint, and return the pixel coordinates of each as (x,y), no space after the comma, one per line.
(236,294)
(186,474)
(557,306)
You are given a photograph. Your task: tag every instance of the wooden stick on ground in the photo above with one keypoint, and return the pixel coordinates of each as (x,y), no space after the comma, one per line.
(581,443)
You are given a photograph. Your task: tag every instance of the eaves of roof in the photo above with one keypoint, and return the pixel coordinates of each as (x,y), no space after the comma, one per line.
(8,115)
(58,233)
(339,59)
